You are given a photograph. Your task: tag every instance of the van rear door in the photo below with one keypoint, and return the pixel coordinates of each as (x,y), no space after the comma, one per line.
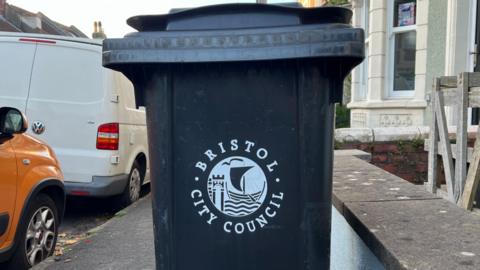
(67,97)
(16,59)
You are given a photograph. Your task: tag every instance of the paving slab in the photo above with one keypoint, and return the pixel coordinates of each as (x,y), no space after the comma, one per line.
(123,243)
(418,234)
(355,180)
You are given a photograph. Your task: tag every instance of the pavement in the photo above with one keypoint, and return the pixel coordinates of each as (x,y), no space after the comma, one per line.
(124,242)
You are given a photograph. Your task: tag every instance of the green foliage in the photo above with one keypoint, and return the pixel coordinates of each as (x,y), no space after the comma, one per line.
(417,143)
(342,116)
(401,145)
(347,89)
(337,2)
(338,145)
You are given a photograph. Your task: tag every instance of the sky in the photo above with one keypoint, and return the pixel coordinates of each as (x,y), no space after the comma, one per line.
(112,13)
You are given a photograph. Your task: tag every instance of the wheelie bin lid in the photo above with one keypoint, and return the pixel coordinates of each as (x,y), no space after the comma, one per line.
(238,32)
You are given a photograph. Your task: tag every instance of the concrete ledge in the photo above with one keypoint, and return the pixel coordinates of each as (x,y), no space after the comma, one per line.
(364,135)
(390,104)
(402,224)
(398,134)
(371,135)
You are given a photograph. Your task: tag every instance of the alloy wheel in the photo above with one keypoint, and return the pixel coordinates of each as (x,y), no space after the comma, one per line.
(40,239)
(135,185)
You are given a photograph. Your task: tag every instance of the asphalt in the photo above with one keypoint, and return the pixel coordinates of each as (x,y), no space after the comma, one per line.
(124,242)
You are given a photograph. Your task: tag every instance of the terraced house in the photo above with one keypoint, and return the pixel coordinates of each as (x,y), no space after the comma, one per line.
(409,43)
(16,19)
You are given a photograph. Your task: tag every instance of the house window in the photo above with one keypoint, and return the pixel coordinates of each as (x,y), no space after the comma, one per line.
(402,48)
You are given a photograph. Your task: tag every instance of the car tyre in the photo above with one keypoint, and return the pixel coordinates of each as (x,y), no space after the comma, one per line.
(133,188)
(37,234)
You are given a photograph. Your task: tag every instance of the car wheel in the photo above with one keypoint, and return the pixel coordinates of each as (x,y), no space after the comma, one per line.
(131,193)
(38,234)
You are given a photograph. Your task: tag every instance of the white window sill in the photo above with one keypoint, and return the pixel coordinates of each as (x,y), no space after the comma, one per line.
(391,104)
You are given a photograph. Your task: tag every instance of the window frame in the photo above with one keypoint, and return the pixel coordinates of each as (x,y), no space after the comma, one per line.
(364,69)
(392,32)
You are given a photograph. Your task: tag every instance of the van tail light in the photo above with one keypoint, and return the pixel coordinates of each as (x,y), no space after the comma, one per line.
(36,40)
(79,193)
(108,136)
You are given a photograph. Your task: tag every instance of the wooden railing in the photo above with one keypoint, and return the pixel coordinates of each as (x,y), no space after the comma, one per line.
(461,92)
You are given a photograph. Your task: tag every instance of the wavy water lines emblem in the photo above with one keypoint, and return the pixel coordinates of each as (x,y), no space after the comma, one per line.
(237,186)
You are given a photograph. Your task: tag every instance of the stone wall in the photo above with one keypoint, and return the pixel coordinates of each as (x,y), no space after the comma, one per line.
(403,225)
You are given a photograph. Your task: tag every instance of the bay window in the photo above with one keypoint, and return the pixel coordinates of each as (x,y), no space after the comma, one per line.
(403,34)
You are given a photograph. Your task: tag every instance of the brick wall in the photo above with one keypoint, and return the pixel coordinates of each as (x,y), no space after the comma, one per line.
(406,159)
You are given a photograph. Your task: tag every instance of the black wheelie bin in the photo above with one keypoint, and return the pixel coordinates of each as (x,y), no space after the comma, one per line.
(240,102)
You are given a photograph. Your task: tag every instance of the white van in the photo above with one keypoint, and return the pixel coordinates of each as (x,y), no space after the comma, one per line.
(85,112)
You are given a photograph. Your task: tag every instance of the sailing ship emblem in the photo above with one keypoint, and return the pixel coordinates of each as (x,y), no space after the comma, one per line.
(237,186)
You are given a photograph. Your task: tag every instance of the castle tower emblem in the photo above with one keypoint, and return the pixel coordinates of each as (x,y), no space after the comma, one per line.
(216,191)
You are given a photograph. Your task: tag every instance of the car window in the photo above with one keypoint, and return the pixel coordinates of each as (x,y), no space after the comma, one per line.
(13,121)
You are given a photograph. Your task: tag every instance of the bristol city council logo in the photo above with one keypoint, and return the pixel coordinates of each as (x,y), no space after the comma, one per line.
(240,181)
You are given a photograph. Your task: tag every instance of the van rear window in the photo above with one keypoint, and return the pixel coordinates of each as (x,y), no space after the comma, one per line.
(16,64)
(66,74)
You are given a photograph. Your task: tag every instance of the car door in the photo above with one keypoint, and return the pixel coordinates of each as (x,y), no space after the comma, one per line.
(8,187)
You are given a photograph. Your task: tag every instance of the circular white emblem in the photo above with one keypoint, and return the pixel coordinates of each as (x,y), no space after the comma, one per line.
(237,186)
(38,127)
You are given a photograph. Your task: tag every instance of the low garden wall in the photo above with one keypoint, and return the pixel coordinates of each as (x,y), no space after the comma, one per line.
(399,151)
(382,222)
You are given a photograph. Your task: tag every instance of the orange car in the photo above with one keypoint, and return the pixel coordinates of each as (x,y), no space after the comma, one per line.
(32,196)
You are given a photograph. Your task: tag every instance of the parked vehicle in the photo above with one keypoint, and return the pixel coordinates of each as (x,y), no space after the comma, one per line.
(85,112)
(32,195)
